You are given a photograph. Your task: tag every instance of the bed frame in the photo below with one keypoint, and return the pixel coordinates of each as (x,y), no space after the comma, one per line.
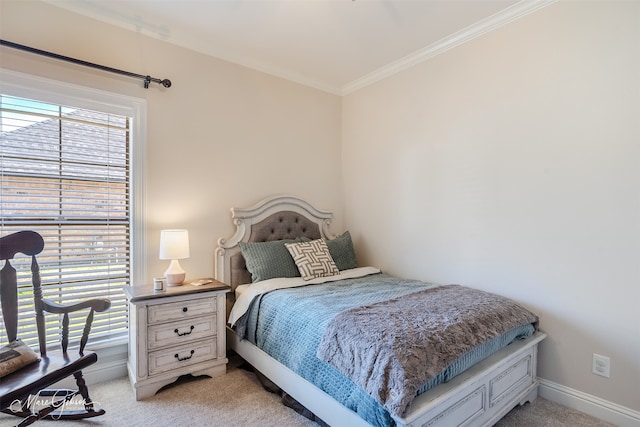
(480,396)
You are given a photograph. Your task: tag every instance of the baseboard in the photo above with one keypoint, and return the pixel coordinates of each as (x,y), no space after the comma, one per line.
(105,372)
(112,362)
(591,405)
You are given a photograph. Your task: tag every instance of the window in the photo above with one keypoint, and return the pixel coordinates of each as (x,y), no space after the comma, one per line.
(66,172)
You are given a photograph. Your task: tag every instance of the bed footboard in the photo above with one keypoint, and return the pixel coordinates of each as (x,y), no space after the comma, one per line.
(484,393)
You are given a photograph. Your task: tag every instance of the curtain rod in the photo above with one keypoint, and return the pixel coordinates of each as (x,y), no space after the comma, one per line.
(147,79)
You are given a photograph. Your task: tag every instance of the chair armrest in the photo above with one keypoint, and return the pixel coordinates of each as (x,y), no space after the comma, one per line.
(97,304)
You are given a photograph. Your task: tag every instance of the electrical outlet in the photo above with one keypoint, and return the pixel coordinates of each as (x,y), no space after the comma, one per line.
(601,365)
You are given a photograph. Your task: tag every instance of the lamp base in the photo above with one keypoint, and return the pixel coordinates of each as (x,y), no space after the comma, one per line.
(175,274)
(175,279)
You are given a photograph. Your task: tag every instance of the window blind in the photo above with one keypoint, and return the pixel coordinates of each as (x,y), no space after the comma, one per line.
(65,173)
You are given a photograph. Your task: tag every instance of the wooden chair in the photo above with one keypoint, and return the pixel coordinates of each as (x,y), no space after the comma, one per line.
(33,379)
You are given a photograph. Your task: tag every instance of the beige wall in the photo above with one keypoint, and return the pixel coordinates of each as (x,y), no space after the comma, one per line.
(221,136)
(512,164)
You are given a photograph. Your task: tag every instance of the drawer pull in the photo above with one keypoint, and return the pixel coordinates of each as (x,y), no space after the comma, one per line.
(184,358)
(185,309)
(181,334)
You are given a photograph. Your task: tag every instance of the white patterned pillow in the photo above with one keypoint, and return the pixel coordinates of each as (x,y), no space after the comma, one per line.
(312,259)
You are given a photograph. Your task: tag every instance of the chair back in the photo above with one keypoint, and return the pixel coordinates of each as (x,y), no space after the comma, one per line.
(31,244)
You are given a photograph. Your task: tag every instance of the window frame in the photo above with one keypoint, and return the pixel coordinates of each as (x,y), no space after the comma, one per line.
(63,93)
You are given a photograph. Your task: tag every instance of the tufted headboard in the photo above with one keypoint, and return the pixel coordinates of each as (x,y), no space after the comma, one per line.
(274,218)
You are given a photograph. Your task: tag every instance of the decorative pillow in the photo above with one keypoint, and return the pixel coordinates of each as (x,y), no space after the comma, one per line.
(266,260)
(14,356)
(342,252)
(313,259)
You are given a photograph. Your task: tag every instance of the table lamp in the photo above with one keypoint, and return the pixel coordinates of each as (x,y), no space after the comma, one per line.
(174,245)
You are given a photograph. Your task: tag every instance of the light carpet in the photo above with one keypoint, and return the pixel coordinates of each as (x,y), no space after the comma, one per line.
(238,399)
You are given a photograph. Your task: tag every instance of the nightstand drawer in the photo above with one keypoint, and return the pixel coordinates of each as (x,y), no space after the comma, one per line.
(182,331)
(181,356)
(181,310)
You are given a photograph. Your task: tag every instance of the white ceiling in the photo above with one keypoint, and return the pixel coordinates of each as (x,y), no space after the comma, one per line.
(333,45)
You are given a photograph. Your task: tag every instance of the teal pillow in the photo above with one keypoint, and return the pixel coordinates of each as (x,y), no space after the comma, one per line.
(342,252)
(267,260)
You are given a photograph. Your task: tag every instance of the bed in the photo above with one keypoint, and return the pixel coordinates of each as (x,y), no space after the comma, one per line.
(311,363)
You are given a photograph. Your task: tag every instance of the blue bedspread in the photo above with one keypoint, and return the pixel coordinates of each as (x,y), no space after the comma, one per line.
(288,324)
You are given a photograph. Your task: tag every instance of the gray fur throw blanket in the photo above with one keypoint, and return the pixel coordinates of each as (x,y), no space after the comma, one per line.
(390,349)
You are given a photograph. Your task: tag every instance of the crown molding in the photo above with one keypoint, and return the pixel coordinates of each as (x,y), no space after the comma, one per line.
(465,35)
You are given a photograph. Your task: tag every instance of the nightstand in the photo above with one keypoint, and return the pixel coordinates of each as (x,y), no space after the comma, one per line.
(175,332)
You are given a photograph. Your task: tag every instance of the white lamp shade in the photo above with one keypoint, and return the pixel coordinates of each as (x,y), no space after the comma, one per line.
(174,244)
